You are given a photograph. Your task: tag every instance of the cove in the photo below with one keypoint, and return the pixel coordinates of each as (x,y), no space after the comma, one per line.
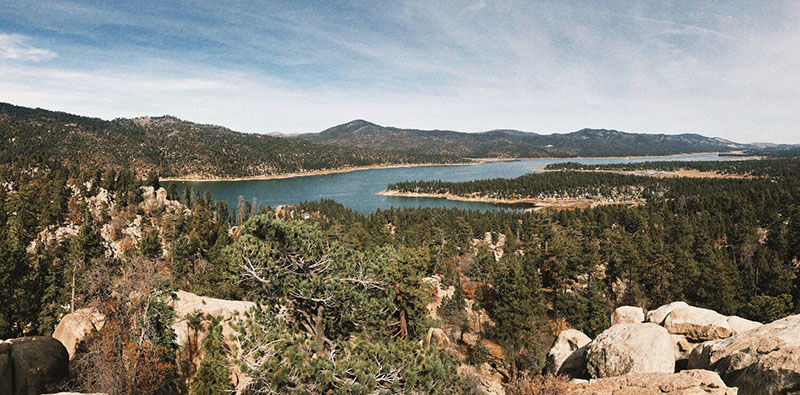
(357,189)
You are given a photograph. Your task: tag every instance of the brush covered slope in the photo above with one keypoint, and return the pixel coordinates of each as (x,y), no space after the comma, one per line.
(516,144)
(173,147)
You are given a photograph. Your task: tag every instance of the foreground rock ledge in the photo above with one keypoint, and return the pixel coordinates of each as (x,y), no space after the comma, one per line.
(685,382)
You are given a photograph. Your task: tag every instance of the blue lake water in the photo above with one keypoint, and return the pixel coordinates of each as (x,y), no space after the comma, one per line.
(357,190)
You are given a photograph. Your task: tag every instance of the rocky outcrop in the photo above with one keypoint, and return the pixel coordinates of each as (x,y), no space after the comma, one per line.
(658,315)
(630,348)
(760,360)
(187,304)
(437,337)
(685,382)
(568,354)
(32,365)
(484,378)
(697,324)
(627,314)
(76,326)
(739,324)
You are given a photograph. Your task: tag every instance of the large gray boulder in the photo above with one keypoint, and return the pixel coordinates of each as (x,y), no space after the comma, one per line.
(625,314)
(685,382)
(568,354)
(761,360)
(32,365)
(630,348)
(76,326)
(658,315)
(697,324)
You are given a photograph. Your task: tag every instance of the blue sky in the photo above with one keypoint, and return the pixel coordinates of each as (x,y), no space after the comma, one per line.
(727,69)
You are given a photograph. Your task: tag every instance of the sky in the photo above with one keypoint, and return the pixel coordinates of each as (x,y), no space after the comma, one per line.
(726,69)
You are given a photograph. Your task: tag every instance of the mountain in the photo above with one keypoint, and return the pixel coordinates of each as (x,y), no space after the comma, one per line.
(173,147)
(514,143)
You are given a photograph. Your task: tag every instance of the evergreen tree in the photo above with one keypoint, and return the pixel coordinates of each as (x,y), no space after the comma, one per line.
(213,376)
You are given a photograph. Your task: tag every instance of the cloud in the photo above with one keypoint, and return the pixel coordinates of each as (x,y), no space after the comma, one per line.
(16,47)
(722,69)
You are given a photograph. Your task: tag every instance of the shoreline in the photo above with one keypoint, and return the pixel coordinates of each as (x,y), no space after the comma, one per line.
(308,173)
(537,203)
(471,161)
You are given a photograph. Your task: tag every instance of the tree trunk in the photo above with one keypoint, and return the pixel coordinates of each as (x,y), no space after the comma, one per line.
(319,333)
(403,326)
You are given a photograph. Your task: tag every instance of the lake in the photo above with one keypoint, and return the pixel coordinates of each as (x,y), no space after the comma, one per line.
(357,189)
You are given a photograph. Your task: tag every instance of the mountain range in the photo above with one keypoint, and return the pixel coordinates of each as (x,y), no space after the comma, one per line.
(174,147)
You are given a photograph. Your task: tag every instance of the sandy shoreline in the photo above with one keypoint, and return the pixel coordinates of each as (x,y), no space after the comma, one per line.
(687,173)
(472,161)
(538,203)
(309,173)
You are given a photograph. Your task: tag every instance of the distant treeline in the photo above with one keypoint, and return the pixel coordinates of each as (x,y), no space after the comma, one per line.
(756,168)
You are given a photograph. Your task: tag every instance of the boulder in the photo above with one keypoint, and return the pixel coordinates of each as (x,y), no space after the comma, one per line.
(568,354)
(658,315)
(683,347)
(685,382)
(630,348)
(37,364)
(75,326)
(187,304)
(776,372)
(739,324)
(738,359)
(625,314)
(697,324)
(6,374)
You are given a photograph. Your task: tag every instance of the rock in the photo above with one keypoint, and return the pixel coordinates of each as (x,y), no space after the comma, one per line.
(658,315)
(37,364)
(739,357)
(568,354)
(630,348)
(437,337)
(496,352)
(438,294)
(739,324)
(185,304)
(470,339)
(685,382)
(682,347)
(6,373)
(776,372)
(75,326)
(625,314)
(485,379)
(697,324)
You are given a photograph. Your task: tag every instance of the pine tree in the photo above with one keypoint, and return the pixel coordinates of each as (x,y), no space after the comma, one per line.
(213,376)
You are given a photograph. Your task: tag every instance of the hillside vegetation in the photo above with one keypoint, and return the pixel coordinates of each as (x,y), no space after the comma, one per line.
(173,147)
(517,144)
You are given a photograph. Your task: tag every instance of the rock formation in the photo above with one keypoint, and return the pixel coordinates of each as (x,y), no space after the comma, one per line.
(32,365)
(658,315)
(760,360)
(75,326)
(697,324)
(630,348)
(685,382)
(568,355)
(627,314)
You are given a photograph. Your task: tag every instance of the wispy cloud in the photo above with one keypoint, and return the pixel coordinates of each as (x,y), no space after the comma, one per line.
(724,69)
(18,47)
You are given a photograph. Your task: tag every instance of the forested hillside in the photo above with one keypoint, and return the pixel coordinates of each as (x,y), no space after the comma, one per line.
(345,298)
(173,147)
(517,144)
